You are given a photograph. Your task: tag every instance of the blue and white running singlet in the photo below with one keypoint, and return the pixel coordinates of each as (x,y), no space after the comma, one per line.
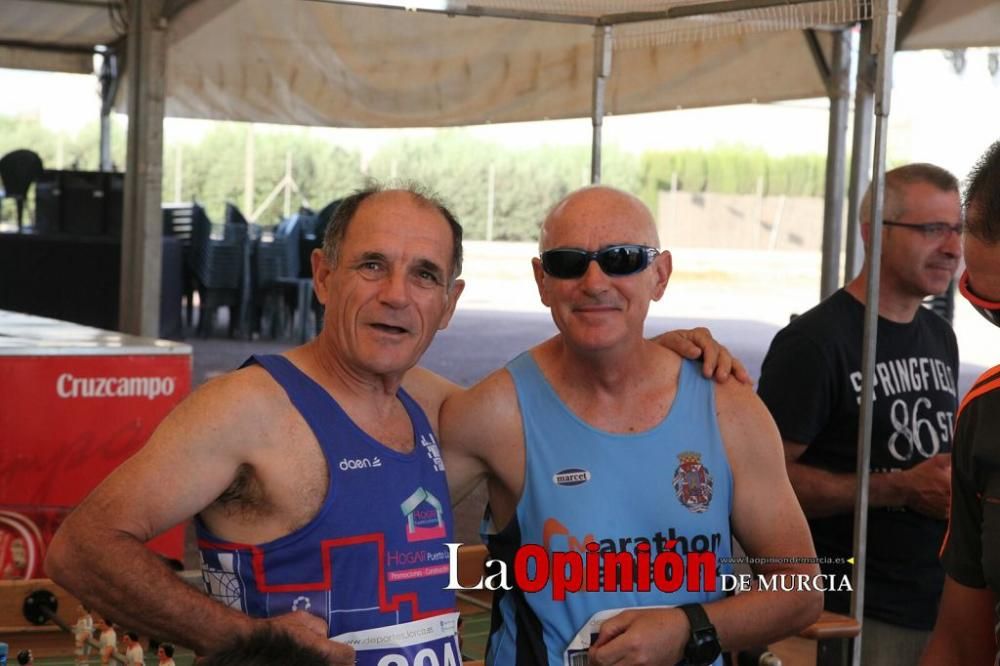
(374,554)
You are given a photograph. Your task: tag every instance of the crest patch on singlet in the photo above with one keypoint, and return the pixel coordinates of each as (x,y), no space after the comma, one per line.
(692,482)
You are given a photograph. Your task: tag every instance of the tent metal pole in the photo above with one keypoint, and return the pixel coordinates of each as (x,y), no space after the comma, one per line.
(864,102)
(109,88)
(460,8)
(46,46)
(884,44)
(838,87)
(142,241)
(602,70)
(105,149)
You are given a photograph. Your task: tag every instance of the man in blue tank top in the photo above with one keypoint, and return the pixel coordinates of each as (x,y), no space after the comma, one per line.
(316,476)
(599,442)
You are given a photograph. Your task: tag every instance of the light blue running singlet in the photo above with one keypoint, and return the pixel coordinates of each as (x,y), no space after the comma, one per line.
(670,483)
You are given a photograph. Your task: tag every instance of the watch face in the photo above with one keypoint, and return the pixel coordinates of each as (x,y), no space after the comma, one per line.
(703,648)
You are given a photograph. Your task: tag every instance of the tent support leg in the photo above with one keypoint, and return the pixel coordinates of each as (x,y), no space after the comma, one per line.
(884,45)
(602,70)
(109,88)
(142,240)
(838,87)
(864,103)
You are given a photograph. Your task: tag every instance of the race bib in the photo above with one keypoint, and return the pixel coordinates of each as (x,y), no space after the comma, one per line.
(576,651)
(429,642)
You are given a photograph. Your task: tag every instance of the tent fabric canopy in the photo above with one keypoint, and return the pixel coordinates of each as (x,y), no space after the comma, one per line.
(361,67)
(349,65)
(955,24)
(63,23)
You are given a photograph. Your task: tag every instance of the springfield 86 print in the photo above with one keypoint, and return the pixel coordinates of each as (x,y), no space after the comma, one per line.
(918,429)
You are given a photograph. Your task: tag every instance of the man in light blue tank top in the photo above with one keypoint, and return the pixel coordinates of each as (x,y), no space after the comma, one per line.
(600,442)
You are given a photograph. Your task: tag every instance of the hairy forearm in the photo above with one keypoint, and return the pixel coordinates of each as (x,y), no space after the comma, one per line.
(823,493)
(116,575)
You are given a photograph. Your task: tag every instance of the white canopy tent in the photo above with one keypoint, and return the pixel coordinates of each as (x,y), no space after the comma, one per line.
(344,65)
(320,63)
(347,65)
(341,64)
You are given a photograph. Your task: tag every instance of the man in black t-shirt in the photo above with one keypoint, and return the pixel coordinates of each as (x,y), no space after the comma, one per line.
(967,623)
(811,382)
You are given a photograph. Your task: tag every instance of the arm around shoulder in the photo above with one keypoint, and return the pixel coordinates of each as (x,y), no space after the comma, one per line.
(430,390)
(476,426)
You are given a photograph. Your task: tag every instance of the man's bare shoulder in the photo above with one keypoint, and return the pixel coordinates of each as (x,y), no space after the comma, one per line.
(252,378)
(491,402)
(234,402)
(494,391)
(258,472)
(211,434)
(735,397)
(747,429)
(662,362)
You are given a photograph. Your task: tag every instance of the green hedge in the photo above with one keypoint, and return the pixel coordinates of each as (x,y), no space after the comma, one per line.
(452,162)
(732,170)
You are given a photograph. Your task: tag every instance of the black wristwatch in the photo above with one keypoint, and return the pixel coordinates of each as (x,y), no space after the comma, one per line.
(703,647)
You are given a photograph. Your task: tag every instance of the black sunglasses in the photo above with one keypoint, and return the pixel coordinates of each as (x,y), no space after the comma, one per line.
(568,263)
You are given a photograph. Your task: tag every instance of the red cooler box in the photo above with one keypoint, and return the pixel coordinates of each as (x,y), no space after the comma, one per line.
(75,402)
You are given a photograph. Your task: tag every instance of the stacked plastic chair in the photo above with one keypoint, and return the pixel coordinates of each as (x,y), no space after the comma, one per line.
(275,261)
(178,222)
(313,230)
(294,298)
(219,254)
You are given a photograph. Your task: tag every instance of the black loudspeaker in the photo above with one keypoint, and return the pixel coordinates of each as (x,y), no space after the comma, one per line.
(83,203)
(114,201)
(47,204)
(79,203)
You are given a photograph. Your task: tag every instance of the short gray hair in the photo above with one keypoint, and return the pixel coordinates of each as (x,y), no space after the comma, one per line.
(894,204)
(336,228)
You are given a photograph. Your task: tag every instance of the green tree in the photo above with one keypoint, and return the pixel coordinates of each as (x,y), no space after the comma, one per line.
(213,170)
(527,182)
